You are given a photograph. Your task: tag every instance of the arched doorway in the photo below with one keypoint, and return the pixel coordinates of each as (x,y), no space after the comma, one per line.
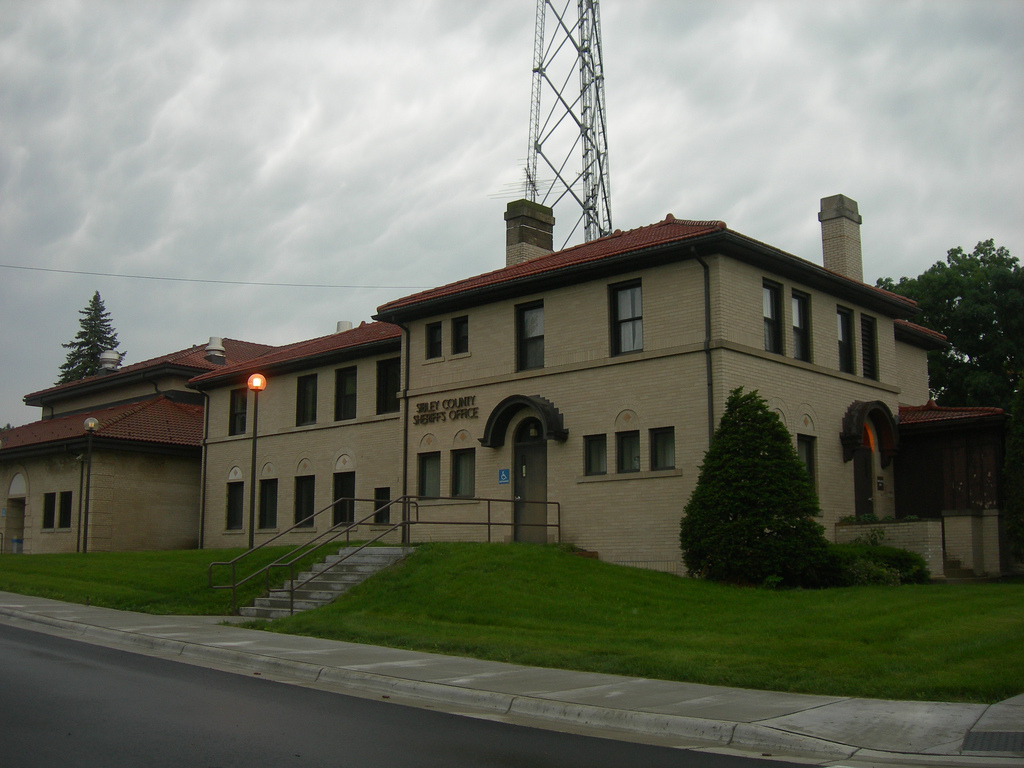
(530,482)
(14,514)
(870,438)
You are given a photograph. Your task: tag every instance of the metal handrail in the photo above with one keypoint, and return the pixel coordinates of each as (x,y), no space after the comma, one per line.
(408,521)
(336,531)
(309,546)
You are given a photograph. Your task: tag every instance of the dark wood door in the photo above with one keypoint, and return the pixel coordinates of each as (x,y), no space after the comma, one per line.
(530,485)
(864,481)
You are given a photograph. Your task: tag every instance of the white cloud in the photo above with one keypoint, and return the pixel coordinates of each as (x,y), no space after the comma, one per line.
(354,143)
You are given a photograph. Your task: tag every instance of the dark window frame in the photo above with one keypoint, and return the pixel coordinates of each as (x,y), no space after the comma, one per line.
(389,373)
(529,349)
(434,340)
(657,449)
(620,322)
(869,347)
(345,511)
(305,500)
(771,304)
(268,503)
(800,306)
(49,511)
(844,338)
(305,400)
(238,406)
(806,448)
(428,474)
(460,335)
(344,400)
(234,516)
(64,506)
(595,455)
(381,496)
(463,473)
(621,455)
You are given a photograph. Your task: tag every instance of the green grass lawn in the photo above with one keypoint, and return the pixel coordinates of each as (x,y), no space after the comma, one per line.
(543,606)
(148,582)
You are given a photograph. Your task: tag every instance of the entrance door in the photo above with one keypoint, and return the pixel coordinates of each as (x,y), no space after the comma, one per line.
(14,528)
(531,483)
(864,474)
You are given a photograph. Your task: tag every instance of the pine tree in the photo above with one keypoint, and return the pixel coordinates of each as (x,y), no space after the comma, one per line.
(95,335)
(750,517)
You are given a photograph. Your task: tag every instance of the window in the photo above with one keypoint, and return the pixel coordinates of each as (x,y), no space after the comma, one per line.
(49,509)
(868,348)
(805,450)
(305,488)
(236,504)
(464,473)
(64,518)
(530,336)
(801,326)
(663,448)
(381,496)
(627,319)
(433,340)
(430,474)
(772,300)
(595,454)
(389,381)
(268,503)
(305,400)
(628,450)
(844,317)
(460,335)
(345,393)
(236,418)
(345,489)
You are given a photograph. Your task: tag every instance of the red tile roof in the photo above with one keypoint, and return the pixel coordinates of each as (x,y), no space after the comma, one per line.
(669,230)
(620,244)
(920,330)
(158,420)
(930,413)
(362,335)
(193,357)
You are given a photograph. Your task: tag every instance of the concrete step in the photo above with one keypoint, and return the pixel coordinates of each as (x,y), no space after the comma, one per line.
(325,586)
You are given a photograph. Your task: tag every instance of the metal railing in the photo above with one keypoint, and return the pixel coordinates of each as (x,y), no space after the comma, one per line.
(345,529)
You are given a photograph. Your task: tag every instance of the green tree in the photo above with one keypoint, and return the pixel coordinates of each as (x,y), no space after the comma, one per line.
(976,300)
(1013,475)
(749,519)
(96,334)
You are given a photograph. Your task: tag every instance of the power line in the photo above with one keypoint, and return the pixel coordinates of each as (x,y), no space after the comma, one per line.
(201,280)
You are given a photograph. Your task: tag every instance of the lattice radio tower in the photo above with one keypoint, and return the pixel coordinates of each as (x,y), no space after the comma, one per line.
(575,120)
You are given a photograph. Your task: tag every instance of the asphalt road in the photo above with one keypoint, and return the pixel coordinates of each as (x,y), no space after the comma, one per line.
(64,702)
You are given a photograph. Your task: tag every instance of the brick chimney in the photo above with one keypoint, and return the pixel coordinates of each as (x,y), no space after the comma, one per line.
(529,229)
(840,236)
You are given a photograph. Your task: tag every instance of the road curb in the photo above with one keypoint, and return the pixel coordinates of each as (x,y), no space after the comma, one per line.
(697,732)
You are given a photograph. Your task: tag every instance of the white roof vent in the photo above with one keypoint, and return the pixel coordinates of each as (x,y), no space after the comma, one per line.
(344,325)
(215,351)
(109,360)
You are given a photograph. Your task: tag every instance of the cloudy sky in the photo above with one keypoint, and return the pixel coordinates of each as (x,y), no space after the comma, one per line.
(369,149)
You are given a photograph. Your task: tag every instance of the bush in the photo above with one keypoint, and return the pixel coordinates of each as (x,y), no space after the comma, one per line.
(749,520)
(860,563)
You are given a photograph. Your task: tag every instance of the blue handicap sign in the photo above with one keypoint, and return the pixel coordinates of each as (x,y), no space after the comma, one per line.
(503,476)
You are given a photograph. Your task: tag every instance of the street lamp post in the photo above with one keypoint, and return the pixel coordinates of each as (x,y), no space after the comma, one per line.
(91,425)
(257,383)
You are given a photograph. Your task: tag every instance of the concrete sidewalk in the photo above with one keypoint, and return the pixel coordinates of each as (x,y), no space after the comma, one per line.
(825,730)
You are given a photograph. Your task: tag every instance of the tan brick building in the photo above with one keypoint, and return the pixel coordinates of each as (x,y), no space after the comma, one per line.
(572,395)
(130,482)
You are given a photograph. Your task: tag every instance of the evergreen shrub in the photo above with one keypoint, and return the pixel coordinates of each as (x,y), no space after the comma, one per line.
(750,517)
